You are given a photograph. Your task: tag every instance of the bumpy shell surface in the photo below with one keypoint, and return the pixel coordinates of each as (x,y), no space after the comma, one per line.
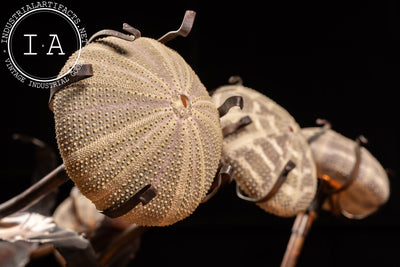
(335,156)
(259,152)
(143,118)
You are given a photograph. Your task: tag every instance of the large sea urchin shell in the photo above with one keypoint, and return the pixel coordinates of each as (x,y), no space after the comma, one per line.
(143,118)
(260,151)
(335,156)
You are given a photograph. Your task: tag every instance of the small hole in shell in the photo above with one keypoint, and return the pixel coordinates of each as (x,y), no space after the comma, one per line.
(184,100)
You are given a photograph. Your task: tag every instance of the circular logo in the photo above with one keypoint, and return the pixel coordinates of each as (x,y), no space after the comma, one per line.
(38,39)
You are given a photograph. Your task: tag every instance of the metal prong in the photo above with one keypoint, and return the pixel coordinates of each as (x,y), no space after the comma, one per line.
(143,196)
(79,72)
(326,125)
(334,188)
(111,33)
(183,30)
(233,127)
(235,80)
(361,140)
(229,103)
(128,28)
(290,165)
(225,176)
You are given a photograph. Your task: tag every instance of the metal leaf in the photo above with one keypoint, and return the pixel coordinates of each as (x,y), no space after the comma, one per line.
(15,254)
(38,229)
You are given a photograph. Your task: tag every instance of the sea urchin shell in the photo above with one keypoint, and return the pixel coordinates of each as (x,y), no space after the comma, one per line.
(335,157)
(262,150)
(143,118)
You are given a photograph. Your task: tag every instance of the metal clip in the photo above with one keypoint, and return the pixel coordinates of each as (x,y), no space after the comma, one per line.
(225,176)
(290,165)
(143,196)
(326,125)
(230,103)
(183,30)
(233,127)
(126,27)
(236,80)
(79,72)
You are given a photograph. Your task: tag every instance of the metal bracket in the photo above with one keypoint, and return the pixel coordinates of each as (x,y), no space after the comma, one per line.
(233,127)
(326,125)
(79,72)
(230,103)
(183,30)
(126,27)
(224,177)
(290,165)
(236,80)
(334,187)
(143,196)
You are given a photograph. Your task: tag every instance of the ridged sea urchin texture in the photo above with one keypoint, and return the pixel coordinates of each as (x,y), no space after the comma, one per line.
(143,118)
(259,152)
(335,156)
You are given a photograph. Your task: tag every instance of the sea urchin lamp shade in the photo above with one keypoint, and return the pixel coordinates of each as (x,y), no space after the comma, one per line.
(335,157)
(260,151)
(143,118)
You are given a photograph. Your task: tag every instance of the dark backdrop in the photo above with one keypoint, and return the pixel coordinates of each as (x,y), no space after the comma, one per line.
(335,60)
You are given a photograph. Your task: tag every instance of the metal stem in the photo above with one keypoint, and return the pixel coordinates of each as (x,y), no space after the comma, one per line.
(302,226)
(300,230)
(34,193)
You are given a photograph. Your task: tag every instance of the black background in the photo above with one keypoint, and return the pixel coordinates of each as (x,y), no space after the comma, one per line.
(337,60)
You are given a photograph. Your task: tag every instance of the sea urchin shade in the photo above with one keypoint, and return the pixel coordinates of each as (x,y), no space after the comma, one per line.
(335,157)
(144,118)
(260,151)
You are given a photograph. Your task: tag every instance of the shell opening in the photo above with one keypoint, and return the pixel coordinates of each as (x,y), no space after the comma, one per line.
(184,100)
